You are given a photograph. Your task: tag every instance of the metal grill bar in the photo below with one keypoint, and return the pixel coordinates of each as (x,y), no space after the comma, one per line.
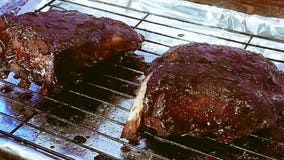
(96,110)
(64,121)
(53,153)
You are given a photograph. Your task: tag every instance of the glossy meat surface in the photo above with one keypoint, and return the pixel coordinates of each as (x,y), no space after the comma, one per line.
(50,47)
(200,89)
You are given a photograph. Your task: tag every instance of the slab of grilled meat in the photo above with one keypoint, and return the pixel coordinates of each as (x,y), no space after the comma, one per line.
(50,47)
(199,89)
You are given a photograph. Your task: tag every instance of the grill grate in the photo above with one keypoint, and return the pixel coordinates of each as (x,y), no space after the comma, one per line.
(85,121)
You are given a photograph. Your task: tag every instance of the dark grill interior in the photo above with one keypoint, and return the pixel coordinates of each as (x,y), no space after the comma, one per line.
(84,121)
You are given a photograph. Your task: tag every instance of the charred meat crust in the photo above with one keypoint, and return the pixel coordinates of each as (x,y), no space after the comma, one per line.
(48,47)
(197,89)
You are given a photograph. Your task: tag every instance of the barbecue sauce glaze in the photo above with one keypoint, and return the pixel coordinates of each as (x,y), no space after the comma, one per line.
(199,89)
(54,46)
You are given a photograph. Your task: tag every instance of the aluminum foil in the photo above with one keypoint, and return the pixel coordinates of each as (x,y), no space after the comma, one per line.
(19,151)
(18,7)
(270,27)
(11,6)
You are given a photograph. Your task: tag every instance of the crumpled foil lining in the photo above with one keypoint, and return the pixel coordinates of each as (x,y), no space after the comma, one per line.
(270,27)
(12,150)
(18,7)
(11,6)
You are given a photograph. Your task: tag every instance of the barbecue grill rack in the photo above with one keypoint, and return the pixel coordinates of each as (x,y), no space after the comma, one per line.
(84,121)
